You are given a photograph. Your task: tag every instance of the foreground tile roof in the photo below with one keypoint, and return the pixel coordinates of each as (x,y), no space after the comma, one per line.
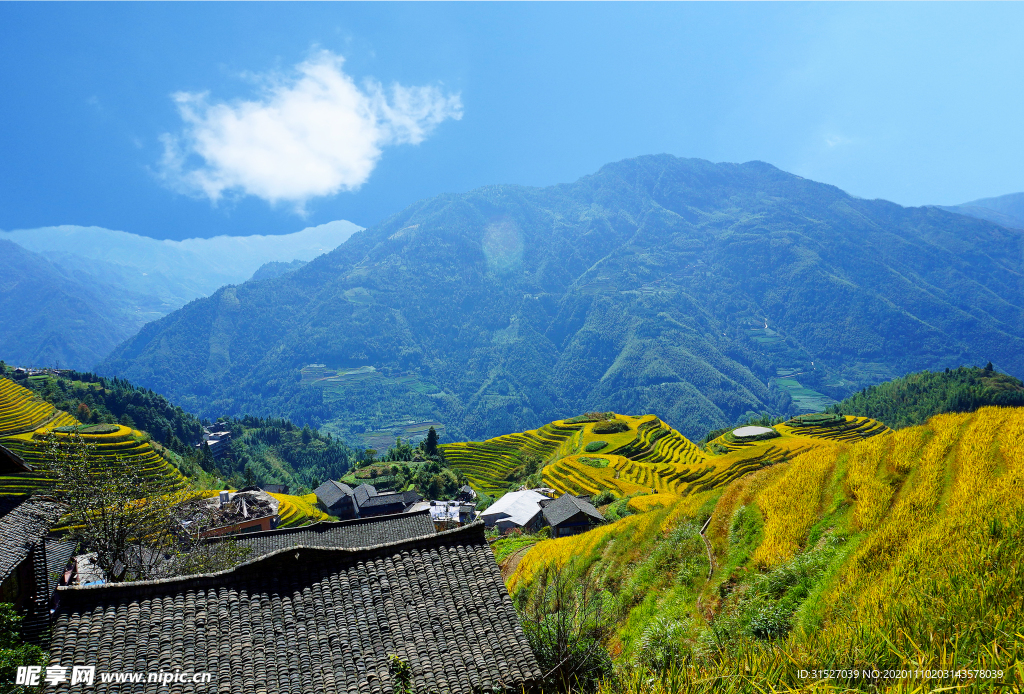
(22,527)
(361,532)
(312,620)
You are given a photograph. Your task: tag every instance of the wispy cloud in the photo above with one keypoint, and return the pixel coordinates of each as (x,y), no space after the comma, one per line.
(311,134)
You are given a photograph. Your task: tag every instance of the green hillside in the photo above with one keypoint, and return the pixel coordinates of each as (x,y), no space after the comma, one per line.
(883,559)
(706,293)
(914,398)
(263,450)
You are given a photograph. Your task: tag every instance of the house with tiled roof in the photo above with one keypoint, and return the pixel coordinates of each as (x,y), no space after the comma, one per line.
(323,620)
(24,549)
(341,501)
(569,515)
(337,499)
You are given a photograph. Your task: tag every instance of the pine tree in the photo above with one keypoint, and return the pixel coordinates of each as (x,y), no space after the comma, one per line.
(431,446)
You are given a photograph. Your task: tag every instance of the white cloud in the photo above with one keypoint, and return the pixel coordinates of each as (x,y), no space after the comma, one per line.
(317,133)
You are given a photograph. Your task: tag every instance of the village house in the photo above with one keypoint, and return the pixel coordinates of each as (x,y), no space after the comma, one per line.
(569,515)
(326,620)
(31,564)
(521,510)
(341,501)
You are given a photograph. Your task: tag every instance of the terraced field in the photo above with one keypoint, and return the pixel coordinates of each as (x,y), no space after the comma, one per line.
(21,411)
(486,464)
(649,457)
(298,510)
(25,422)
(850,431)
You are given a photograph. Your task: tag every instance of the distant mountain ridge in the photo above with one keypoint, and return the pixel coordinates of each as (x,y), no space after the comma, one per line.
(1005,210)
(71,294)
(174,271)
(695,291)
(51,316)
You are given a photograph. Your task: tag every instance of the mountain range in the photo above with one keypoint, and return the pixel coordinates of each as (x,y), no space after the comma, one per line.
(71,294)
(704,293)
(1005,210)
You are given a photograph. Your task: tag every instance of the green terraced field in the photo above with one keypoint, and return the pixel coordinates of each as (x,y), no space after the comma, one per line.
(651,457)
(25,422)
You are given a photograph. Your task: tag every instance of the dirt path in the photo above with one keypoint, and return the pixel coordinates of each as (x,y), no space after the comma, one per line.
(508,567)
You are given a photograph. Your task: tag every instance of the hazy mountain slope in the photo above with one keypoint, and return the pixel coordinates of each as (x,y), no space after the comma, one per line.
(274,269)
(1005,210)
(49,316)
(676,287)
(175,271)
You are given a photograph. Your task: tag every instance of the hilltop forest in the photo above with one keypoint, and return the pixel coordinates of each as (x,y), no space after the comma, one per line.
(706,293)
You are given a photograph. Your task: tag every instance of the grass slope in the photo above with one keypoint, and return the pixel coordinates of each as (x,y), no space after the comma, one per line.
(898,552)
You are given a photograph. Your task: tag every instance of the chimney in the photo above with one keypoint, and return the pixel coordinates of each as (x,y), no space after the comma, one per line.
(225,497)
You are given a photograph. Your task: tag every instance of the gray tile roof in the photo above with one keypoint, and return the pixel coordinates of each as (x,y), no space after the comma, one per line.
(58,554)
(566,506)
(22,527)
(361,532)
(392,498)
(330,492)
(312,621)
(363,492)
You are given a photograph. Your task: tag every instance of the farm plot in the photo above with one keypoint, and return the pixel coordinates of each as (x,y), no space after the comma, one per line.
(112,444)
(487,464)
(842,428)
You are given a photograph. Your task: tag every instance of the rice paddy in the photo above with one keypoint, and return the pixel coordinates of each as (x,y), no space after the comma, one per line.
(860,549)
(26,422)
(647,457)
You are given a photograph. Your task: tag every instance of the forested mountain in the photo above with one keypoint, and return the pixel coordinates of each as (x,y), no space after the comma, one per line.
(915,398)
(50,315)
(699,292)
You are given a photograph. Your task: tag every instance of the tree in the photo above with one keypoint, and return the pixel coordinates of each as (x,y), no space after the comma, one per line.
(430,446)
(130,520)
(14,653)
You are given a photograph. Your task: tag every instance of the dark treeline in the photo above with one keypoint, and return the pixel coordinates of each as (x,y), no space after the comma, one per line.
(912,399)
(274,450)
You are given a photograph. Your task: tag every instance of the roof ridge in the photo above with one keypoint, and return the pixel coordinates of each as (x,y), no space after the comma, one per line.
(474,530)
(319,525)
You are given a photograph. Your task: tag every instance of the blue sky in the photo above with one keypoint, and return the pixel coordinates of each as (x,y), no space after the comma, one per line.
(180,120)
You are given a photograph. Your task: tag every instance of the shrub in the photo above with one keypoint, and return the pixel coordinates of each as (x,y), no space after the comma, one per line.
(605,497)
(611,427)
(770,622)
(591,417)
(595,446)
(817,420)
